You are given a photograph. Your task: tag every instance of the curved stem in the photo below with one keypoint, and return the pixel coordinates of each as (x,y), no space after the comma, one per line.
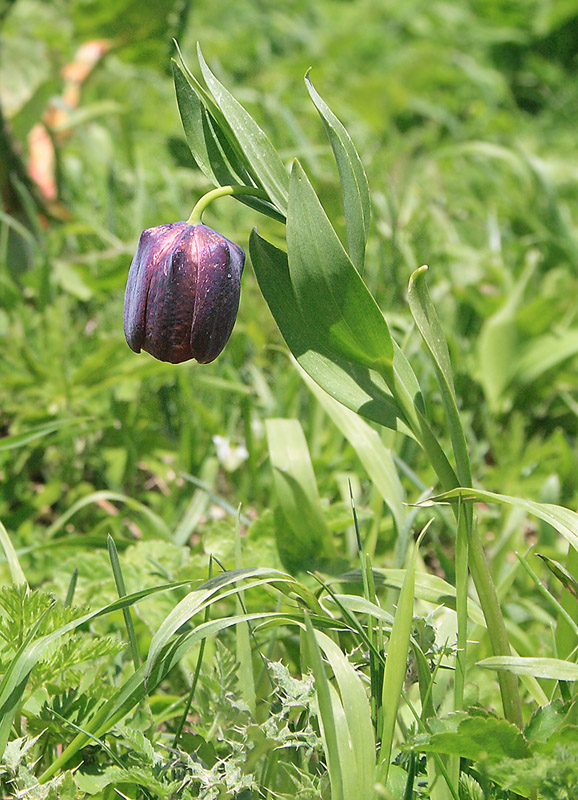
(222,191)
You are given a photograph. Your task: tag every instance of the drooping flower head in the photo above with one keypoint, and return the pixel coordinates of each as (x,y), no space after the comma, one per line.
(182,293)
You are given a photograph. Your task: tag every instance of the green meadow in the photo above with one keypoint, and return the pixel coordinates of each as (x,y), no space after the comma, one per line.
(340,561)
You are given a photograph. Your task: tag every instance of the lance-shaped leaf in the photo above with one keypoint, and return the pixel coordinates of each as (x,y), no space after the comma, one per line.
(212,143)
(335,303)
(562,519)
(265,162)
(357,387)
(354,186)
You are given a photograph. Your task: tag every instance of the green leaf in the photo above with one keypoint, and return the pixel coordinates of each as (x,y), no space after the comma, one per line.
(545,353)
(553,668)
(426,318)
(329,713)
(358,388)
(200,134)
(480,739)
(373,454)
(20,439)
(265,163)
(396,663)
(199,598)
(356,201)
(560,518)
(304,539)
(16,571)
(566,578)
(334,301)
(158,524)
(359,784)
(210,144)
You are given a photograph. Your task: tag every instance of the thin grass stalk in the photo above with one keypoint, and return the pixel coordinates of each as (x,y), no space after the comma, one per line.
(71,588)
(197,672)
(121,589)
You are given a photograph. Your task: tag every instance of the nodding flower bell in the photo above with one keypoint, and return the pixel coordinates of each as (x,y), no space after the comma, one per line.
(182,293)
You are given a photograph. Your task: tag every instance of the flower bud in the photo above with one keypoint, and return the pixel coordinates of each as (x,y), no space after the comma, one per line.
(182,293)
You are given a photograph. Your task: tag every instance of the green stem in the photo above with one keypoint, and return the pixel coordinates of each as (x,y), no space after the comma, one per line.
(222,191)
(470,547)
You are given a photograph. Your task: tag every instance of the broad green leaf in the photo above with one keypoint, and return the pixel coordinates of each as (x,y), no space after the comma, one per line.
(200,134)
(552,668)
(303,536)
(334,301)
(265,163)
(562,519)
(545,353)
(498,346)
(354,185)
(480,739)
(498,353)
(358,388)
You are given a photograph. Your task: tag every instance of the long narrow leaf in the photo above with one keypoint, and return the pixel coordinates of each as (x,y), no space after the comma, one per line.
(327,715)
(16,571)
(210,144)
(553,668)
(198,599)
(426,319)
(357,718)
(396,664)
(265,162)
(372,453)
(354,185)
(562,519)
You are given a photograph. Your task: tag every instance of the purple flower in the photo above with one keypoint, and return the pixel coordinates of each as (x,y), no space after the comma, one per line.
(182,293)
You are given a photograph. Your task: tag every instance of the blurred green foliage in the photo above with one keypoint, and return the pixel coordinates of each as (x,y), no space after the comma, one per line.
(465,117)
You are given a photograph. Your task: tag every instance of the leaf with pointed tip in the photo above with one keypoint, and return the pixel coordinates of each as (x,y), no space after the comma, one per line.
(553,668)
(426,318)
(209,140)
(265,163)
(358,388)
(354,186)
(562,519)
(335,302)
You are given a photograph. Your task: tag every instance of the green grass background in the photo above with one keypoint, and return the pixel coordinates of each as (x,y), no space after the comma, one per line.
(465,118)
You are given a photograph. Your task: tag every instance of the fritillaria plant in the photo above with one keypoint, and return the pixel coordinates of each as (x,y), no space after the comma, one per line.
(183,293)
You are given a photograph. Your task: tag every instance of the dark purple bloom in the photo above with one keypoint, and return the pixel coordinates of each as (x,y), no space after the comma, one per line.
(182,293)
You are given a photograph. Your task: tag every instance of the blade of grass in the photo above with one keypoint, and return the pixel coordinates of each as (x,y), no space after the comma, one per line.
(354,187)
(121,589)
(242,631)
(16,571)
